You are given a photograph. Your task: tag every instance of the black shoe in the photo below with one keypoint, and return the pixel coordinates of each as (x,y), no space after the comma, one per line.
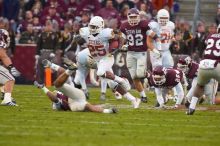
(2,96)
(187,103)
(144,99)
(157,104)
(190,111)
(201,100)
(114,110)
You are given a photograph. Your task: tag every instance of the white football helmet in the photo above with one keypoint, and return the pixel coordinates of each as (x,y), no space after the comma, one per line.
(163,17)
(4,38)
(96,24)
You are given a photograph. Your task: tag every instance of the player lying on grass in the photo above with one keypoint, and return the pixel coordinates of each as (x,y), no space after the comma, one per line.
(163,79)
(69,97)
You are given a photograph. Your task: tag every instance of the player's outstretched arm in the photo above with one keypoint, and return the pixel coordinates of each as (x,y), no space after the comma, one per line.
(97,109)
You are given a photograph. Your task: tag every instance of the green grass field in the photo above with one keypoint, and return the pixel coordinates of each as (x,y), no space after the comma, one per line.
(34,123)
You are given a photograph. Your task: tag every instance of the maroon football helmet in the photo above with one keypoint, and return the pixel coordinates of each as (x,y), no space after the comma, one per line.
(159,75)
(4,38)
(133,16)
(184,63)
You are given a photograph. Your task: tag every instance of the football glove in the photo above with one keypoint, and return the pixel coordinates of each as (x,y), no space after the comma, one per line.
(124,48)
(91,62)
(13,71)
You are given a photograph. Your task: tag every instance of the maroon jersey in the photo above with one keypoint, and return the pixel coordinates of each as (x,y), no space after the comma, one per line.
(193,70)
(64,102)
(212,50)
(173,77)
(136,35)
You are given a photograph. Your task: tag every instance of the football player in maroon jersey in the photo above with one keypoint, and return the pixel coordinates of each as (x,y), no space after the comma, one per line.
(7,70)
(190,69)
(163,79)
(209,68)
(138,35)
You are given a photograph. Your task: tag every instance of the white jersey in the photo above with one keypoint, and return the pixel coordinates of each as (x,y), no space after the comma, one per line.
(98,45)
(165,33)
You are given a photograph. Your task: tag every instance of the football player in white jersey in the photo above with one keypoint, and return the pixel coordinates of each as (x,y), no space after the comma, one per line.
(81,72)
(164,28)
(97,38)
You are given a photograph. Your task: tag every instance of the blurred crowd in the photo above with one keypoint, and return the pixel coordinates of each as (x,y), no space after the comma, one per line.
(26,20)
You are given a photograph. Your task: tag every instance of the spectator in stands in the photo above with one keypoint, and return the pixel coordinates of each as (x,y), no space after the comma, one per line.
(75,27)
(10,11)
(28,36)
(27,20)
(71,9)
(178,47)
(198,44)
(67,42)
(85,17)
(93,5)
(119,4)
(36,25)
(217,17)
(47,45)
(59,5)
(123,14)
(108,12)
(53,16)
(37,8)
(212,28)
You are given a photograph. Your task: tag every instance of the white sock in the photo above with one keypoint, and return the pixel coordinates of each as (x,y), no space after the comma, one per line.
(129,97)
(45,89)
(69,72)
(54,66)
(7,97)
(103,85)
(193,102)
(70,81)
(179,100)
(142,94)
(107,111)
(160,100)
(118,79)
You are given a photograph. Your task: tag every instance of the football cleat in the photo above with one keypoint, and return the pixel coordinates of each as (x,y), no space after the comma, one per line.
(10,103)
(46,63)
(117,95)
(69,64)
(102,97)
(187,103)
(114,110)
(38,85)
(190,111)
(144,99)
(136,103)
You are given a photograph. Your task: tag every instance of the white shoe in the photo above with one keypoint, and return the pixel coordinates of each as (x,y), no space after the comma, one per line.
(46,63)
(136,103)
(117,95)
(8,103)
(125,84)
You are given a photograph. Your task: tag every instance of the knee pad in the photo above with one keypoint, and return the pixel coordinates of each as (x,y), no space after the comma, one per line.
(112,84)
(100,72)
